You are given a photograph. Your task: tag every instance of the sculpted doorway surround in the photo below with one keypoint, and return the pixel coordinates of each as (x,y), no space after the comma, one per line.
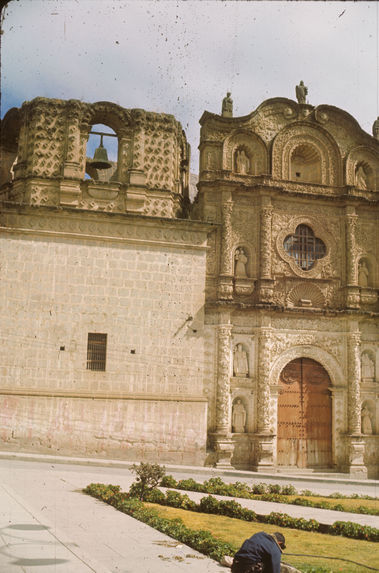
(304,415)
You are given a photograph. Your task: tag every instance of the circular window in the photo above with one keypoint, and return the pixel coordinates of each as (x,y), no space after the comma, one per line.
(304,247)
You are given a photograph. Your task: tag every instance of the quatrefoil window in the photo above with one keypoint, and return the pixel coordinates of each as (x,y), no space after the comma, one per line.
(304,247)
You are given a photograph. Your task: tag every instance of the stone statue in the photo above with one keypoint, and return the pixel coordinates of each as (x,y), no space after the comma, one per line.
(241,261)
(238,417)
(242,162)
(363,274)
(368,367)
(375,129)
(227,106)
(360,178)
(240,363)
(301,92)
(366,421)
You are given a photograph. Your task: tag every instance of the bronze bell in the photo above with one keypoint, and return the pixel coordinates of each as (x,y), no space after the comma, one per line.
(100,158)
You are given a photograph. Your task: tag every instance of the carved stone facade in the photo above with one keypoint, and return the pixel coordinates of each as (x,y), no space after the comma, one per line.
(300,202)
(273,268)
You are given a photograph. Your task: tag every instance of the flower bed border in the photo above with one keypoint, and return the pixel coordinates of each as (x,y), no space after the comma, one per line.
(262,492)
(124,502)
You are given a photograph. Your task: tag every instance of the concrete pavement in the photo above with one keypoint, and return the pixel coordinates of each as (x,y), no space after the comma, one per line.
(48,525)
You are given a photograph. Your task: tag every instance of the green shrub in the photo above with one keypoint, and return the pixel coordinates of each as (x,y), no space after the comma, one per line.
(148,477)
(284,520)
(155,496)
(258,488)
(354,530)
(274,488)
(190,485)
(168,481)
(288,490)
(209,504)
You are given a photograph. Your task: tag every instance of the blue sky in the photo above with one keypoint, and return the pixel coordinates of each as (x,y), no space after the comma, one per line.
(181,57)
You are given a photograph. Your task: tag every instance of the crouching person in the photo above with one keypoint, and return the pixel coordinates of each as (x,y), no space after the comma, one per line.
(260,553)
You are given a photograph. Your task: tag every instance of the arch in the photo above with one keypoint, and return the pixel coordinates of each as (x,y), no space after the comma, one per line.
(361,168)
(314,142)
(121,121)
(110,144)
(305,163)
(304,436)
(316,353)
(252,145)
(10,132)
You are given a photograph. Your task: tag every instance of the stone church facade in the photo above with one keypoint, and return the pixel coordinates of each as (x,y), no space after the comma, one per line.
(237,331)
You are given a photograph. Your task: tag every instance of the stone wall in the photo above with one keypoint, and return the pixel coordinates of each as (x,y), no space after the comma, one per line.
(66,276)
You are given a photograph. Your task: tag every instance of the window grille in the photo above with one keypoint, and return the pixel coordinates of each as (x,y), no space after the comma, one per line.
(304,247)
(96,351)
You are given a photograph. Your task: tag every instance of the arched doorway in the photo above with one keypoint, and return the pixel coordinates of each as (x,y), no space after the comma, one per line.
(304,415)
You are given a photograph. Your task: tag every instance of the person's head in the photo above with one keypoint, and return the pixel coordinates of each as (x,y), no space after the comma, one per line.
(280,539)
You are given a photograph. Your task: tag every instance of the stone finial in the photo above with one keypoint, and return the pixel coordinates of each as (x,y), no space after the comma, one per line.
(375,129)
(301,92)
(227,106)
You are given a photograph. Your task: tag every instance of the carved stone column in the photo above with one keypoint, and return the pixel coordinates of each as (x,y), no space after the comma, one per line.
(222,436)
(357,445)
(225,285)
(73,171)
(266,284)
(265,453)
(352,289)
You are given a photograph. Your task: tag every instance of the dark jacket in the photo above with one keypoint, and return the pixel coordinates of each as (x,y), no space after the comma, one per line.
(260,548)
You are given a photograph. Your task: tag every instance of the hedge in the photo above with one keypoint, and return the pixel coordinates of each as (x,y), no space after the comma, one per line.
(263,492)
(112,495)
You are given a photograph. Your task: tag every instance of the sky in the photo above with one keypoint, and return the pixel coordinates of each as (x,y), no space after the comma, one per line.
(181,57)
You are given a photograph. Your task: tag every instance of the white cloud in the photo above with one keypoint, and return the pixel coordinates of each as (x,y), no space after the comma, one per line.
(181,57)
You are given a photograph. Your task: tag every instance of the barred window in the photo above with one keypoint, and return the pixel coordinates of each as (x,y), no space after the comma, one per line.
(96,351)
(304,247)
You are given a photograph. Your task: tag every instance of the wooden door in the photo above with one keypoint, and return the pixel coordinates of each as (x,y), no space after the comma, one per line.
(304,415)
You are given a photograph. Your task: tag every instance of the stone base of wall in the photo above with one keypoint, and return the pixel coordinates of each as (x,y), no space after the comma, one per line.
(137,430)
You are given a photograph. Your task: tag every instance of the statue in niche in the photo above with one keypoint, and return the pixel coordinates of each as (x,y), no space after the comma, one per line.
(375,129)
(238,417)
(366,421)
(240,362)
(368,367)
(360,178)
(242,162)
(209,160)
(227,106)
(301,92)
(240,263)
(363,274)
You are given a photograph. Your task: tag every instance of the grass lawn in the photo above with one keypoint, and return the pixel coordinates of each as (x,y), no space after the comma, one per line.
(235,531)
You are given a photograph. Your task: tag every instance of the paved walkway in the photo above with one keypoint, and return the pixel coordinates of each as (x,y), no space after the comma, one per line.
(47,525)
